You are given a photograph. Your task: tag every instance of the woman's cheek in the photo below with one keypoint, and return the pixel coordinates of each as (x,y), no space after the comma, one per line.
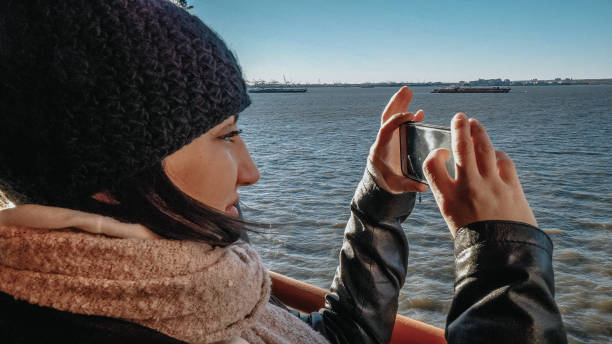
(222,178)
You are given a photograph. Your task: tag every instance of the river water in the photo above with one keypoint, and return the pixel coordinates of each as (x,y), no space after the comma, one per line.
(311,150)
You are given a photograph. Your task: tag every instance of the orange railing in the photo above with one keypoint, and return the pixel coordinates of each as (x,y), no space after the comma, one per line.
(308,298)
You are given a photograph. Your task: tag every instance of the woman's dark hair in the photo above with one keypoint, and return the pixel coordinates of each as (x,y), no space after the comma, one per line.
(152,200)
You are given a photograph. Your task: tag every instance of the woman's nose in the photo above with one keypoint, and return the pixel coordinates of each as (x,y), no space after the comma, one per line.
(248,173)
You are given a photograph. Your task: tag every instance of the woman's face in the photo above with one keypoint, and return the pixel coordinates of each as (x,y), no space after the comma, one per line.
(213,167)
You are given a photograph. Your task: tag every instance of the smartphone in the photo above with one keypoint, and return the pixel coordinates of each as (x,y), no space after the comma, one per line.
(416,141)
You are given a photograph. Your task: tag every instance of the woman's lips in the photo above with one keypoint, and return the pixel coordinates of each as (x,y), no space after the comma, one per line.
(231,210)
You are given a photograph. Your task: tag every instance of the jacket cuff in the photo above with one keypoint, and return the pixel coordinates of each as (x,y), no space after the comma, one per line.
(378,204)
(498,231)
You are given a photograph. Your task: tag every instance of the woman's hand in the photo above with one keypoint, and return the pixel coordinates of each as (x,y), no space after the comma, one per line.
(384,160)
(487,186)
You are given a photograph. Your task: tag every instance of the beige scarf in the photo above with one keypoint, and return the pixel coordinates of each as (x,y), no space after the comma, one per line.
(190,291)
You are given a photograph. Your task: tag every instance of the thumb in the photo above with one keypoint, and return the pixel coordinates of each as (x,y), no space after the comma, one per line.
(436,174)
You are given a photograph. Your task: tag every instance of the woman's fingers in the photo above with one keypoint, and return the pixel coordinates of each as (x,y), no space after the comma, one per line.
(436,174)
(505,165)
(385,134)
(385,152)
(474,196)
(388,128)
(418,116)
(483,149)
(463,147)
(398,103)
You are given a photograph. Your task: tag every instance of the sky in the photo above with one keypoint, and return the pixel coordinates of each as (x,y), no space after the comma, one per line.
(414,41)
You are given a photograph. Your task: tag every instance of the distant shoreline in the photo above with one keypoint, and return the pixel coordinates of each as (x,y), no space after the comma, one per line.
(476,83)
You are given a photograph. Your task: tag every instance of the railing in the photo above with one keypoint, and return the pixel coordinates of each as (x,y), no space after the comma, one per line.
(308,298)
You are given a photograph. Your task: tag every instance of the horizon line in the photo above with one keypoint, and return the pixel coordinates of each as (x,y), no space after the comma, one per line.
(430,82)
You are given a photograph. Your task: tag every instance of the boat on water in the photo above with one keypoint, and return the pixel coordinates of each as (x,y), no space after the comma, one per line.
(277,90)
(457,89)
(308,298)
(276,87)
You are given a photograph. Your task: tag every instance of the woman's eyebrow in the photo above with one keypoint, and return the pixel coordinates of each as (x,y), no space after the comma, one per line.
(234,122)
(227,127)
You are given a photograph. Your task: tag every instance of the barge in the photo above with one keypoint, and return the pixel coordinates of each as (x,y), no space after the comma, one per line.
(277,90)
(458,89)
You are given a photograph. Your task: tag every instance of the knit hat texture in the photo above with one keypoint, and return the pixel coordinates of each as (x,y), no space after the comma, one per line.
(95,91)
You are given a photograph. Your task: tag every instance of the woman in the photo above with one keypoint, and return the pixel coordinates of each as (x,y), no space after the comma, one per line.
(122,151)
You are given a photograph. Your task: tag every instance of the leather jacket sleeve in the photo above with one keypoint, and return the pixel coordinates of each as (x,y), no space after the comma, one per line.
(504,286)
(362,302)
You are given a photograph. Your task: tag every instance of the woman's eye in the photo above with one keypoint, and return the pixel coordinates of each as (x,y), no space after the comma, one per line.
(228,137)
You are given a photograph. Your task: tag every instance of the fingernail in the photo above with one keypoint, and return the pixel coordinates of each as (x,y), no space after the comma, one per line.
(460,119)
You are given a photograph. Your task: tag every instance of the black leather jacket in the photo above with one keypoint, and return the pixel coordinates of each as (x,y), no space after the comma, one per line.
(503,293)
(504,286)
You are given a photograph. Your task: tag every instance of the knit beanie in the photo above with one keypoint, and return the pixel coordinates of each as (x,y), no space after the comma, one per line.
(95,91)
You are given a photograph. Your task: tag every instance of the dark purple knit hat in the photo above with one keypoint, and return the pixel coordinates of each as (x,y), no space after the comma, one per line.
(94,91)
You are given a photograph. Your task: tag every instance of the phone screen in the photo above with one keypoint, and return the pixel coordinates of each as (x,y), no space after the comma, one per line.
(416,141)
